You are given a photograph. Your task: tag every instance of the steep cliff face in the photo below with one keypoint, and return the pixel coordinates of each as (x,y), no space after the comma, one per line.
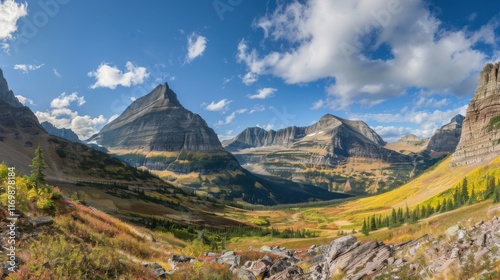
(65,133)
(480,139)
(6,95)
(446,139)
(158,122)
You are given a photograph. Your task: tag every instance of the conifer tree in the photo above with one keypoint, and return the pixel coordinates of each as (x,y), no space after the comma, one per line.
(373,223)
(364,228)
(394,217)
(37,166)
(465,192)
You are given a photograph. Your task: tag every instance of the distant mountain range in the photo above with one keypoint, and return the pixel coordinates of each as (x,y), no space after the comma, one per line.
(336,152)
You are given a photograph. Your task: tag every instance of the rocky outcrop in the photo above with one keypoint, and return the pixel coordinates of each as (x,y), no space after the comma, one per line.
(446,139)
(65,133)
(459,252)
(480,139)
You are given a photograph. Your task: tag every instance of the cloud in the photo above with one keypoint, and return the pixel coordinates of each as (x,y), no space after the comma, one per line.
(257,108)
(230,118)
(10,13)
(222,105)
(318,104)
(266,126)
(64,100)
(422,123)
(431,102)
(111,77)
(5,47)
(392,133)
(196,46)
(419,51)
(24,100)
(56,73)
(229,135)
(25,68)
(263,93)
(61,116)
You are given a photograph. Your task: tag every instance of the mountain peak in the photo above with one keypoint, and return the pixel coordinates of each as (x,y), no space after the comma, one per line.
(488,84)
(164,94)
(458,119)
(6,94)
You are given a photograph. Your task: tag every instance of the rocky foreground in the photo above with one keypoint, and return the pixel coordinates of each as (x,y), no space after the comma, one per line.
(459,252)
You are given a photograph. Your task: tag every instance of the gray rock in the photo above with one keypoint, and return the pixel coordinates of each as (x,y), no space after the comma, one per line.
(290,273)
(243,274)
(156,268)
(279,266)
(461,234)
(452,231)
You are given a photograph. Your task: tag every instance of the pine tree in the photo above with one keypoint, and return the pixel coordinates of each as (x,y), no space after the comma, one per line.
(37,166)
(444,205)
(465,192)
(449,205)
(364,228)
(373,223)
(394,217)
(496,196)
(407,213)
(438,207)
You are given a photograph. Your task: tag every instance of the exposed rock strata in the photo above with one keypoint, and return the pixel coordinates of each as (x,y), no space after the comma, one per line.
(480,140)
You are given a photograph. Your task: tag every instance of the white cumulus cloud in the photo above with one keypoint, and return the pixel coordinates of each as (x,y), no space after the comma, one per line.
(263,93)
(196,46)
(24,100)
(64,100)
(343,40)
(10,13)
(61,116)
(222,105)
(110,76)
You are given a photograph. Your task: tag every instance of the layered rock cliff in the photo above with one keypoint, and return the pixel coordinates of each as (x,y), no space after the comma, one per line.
(446,139)
(480,139)
(164,125)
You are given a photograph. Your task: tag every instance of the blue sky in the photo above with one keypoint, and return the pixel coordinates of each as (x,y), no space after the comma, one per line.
(401,66)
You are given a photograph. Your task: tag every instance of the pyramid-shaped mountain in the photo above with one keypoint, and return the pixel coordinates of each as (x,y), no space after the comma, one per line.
(157,132)
(163,125)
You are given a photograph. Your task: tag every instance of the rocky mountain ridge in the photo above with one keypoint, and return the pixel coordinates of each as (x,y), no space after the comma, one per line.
(480,139)
(65,133)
